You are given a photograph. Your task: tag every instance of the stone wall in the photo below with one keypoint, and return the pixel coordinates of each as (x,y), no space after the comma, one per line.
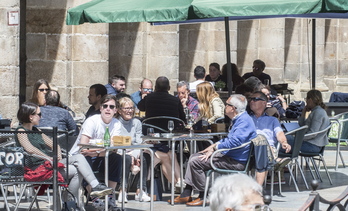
(72,58)
(9,61)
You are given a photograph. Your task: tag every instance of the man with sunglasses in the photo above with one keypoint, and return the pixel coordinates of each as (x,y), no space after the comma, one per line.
(269,126)
(258,68)
(145,88)
(94,128)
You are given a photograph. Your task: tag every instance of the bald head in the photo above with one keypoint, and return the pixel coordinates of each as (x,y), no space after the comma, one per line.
(146,86)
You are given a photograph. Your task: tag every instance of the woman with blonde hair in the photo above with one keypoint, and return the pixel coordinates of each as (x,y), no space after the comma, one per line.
(210,105)
(40,88)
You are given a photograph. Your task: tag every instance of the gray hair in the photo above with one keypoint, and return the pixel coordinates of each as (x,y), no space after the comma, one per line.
(231,191)
(239,102)
(254,83)
(183,83)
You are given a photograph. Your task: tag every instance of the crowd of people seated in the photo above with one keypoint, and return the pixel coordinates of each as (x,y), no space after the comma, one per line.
(252,110)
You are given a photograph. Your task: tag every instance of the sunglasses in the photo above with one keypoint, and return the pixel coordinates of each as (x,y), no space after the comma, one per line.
(105,106)
(42,90)
(257,99)
(147,90)
(227,104)
(39,114)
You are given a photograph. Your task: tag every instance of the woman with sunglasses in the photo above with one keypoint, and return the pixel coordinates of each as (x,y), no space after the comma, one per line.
(40,89)
(210,105)
(39,144)
(132,127)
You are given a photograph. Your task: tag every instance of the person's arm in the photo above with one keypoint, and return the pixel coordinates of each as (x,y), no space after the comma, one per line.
(49,142)
(283,141)
(90,152)
(282,101)
(70,122)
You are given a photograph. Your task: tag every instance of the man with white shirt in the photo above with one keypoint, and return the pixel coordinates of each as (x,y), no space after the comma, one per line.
(199,74)
(94,128)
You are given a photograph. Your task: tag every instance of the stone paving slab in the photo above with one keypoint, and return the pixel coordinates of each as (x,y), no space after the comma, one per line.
(289,200)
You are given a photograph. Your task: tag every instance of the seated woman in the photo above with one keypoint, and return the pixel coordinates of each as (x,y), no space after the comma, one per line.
(210,105)
(40,88)
(132,127)
(39,144)
(316,121)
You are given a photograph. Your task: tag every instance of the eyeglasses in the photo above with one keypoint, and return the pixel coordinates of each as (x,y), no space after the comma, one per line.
(256,68)
(147,90)
(42,90)
(128,108)
(257,99)
(105,106)
(39,114)
(227,104)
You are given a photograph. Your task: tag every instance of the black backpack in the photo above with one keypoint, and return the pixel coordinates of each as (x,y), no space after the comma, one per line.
(294,109)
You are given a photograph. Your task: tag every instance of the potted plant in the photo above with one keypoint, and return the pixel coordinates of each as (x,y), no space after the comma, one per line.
(220,85)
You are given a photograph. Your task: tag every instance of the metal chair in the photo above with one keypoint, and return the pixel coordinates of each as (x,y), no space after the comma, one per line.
(226,171)
(319,156)
(342,135)
(295,151)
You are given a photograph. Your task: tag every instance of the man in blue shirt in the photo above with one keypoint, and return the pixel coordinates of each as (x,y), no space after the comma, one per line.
(145,88)
(116,85)
(268,126)
(242,131)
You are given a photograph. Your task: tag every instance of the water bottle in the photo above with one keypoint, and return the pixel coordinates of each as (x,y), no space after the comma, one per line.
(107,137)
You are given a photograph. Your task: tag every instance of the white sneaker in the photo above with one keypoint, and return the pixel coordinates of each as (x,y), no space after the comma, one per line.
(120,198)
(145,197)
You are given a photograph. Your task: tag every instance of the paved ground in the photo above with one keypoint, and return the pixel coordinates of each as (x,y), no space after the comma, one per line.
(289,200)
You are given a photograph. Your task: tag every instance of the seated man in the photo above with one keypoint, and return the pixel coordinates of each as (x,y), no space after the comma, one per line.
(117,84)
(188,102)
(267,125)
(161,103)
(145,88)
(242,131)
(94,128)
(96,93)
(55,116)
(199,74)
(258,68)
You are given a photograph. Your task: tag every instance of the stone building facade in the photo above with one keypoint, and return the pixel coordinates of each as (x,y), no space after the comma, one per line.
(72,58)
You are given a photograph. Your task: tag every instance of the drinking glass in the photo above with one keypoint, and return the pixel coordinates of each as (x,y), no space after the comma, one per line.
(150,131)
(170,125)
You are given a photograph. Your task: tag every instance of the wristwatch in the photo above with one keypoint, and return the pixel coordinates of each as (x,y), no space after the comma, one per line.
(98,152)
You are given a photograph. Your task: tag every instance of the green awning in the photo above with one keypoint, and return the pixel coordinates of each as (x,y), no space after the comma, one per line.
(340,6)
(112,11)
(228,8)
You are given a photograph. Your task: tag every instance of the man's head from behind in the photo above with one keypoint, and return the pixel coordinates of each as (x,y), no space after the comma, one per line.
(183,89)
(96,92)
(52,98)
(162,84)
(118,82)
(258,102)
(235,192)
(146,86)
(199,72)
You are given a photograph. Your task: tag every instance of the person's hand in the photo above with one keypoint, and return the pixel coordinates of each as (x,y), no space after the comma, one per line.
(287,147)
(143,95)
(183,102)
(207,152)
(89,153)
